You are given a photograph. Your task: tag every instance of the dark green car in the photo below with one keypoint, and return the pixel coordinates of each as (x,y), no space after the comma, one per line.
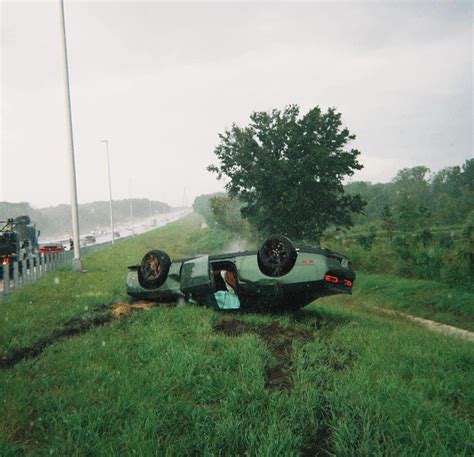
(278,275)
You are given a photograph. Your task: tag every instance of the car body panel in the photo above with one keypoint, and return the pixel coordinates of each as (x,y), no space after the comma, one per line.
(193,278)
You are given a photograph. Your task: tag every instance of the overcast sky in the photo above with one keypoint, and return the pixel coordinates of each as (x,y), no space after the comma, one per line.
(161,80)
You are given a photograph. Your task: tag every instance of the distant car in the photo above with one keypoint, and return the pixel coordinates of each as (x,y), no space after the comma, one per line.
(50,248)
(116,235)
(278,275)
(89,239)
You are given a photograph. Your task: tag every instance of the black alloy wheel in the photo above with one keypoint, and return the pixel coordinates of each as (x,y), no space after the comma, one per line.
(276,256)
(154,269)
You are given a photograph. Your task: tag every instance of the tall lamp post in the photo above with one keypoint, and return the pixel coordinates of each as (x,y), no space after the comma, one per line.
(110,192)
(76,263)
(131,204)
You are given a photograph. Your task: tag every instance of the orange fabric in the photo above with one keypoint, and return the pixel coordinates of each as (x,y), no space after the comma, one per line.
(230,279)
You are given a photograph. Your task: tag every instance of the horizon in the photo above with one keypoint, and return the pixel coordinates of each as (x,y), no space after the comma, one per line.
(190,204)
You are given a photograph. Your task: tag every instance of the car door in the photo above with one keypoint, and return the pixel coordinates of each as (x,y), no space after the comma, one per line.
(196,279)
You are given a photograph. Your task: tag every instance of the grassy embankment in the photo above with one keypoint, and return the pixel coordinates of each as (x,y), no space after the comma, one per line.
(334,378)
(428,299)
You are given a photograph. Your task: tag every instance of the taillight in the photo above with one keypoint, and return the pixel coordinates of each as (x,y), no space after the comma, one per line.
(347,283)
(330,278)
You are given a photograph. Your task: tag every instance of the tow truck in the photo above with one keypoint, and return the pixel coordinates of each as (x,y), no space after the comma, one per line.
(18,240)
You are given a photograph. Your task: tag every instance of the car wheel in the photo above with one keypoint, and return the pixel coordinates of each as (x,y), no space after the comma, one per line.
(154,269)
(276,256)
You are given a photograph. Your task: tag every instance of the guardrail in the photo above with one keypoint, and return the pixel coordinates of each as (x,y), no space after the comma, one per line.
(33,268)
(29,270)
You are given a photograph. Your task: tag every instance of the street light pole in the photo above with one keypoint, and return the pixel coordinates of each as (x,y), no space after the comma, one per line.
(131,204)
(76,263)
(110,192)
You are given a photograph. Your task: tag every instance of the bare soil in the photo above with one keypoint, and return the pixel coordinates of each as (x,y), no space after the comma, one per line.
(123,309)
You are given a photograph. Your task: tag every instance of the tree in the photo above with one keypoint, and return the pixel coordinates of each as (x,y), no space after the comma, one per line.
(202,206)
(288,169)
(226,213)
(388,222)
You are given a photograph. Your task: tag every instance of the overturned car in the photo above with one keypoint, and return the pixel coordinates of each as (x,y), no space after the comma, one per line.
(278,275)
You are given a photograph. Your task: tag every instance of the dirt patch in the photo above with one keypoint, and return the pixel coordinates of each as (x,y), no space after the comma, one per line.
(279,340)
(320,446)
(123,309)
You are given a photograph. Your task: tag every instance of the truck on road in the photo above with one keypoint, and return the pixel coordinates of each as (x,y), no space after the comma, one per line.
(18,240)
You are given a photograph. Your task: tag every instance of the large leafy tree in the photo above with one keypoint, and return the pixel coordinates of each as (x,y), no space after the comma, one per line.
(288,170)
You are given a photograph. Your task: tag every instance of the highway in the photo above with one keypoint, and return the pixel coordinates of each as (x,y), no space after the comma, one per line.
(140,226)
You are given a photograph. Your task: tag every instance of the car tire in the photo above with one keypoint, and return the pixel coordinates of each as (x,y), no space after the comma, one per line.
(276,256)
(154,269)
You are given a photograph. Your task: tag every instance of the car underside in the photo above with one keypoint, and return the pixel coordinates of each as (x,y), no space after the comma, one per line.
(279,275)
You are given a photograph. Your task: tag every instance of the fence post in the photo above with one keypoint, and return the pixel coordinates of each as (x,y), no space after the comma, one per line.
(33,269)
(21,272)
(6,279)
(42,265)
(15,275)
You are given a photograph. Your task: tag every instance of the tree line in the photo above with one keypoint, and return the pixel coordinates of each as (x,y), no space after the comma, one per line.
(285,173)
(55,221)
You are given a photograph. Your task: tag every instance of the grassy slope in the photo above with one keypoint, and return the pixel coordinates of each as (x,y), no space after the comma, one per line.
(32,313)
(428,299)
(164,382)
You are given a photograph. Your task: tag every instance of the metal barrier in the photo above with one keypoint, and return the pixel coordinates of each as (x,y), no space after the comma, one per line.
(26,271)
(29,270)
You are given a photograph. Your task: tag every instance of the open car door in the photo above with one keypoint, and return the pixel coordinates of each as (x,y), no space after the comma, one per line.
(196,280)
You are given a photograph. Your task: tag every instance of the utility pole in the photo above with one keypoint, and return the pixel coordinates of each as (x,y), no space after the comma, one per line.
(76,262)
(131,203)
(185,199)
(110,192)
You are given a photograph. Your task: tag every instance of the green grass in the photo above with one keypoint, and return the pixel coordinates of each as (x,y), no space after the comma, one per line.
(165,382)
(428,299)
(32,313)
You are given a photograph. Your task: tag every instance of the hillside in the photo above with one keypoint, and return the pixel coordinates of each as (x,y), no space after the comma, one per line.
(55,221)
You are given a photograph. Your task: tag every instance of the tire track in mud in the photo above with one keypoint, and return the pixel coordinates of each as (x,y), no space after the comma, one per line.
(102,315)
(279,340)
(71,328)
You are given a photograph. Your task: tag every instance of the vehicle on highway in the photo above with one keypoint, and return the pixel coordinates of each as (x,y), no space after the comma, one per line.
(116,234)
(89,239)
(278,275)
(18,241)
(51,248)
